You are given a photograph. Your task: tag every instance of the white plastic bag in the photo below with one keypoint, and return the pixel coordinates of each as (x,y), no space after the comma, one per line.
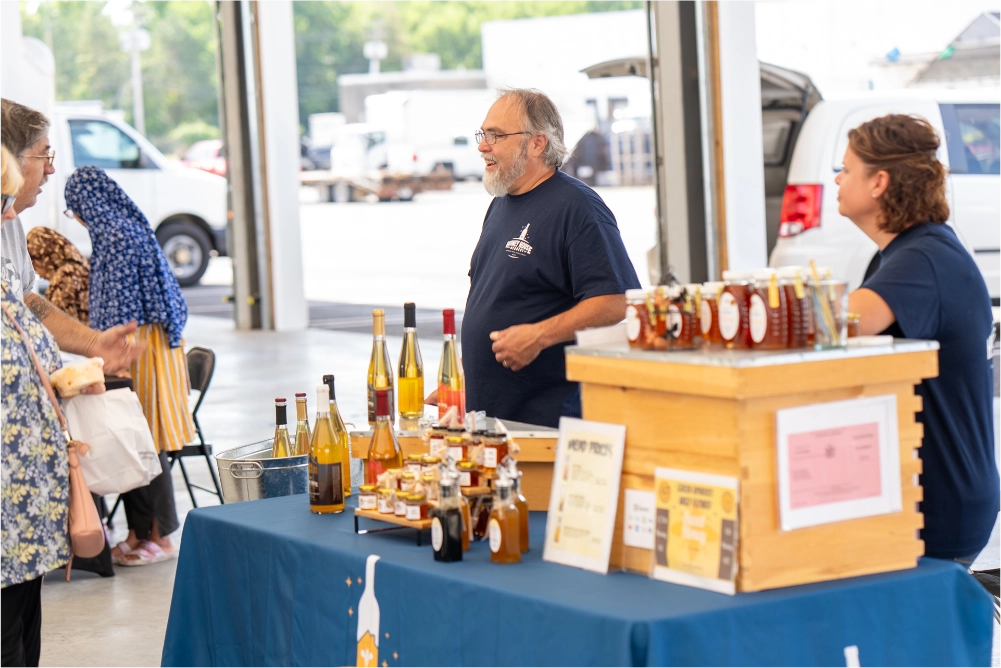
(122,455)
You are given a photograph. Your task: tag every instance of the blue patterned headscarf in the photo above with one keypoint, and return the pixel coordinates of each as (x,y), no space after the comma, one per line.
(129,275)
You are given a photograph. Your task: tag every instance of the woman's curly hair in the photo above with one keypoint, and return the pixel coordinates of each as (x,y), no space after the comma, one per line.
(904,147)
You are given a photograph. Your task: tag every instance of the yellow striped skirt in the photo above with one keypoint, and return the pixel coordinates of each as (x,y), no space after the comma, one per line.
(160,378)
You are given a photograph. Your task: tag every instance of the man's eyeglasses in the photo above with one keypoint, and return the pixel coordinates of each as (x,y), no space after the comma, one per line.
(49,156)
(8,201)
(492,136)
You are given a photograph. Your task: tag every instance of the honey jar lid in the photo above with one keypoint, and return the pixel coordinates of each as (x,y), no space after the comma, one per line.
(466,465)
(386,490)
(368,488)
(409,475)
(454,439)
(431,459)
(636,294)
(415,457)
(427,476)
(416,497)
(710,287)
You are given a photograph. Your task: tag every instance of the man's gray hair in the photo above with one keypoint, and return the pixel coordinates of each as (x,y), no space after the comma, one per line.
(21,127)
(542,118)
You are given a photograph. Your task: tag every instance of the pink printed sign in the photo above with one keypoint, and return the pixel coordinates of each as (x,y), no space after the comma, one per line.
(834,465)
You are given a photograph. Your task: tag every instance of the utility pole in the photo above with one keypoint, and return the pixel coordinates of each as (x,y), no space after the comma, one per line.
(138,110)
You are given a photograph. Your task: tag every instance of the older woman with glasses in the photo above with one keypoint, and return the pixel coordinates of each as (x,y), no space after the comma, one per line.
(34,495)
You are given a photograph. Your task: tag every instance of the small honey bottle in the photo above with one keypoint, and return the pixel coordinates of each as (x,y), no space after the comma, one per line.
(520,502)
(504,527)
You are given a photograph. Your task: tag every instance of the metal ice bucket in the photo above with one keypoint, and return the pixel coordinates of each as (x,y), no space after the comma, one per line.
(250,472)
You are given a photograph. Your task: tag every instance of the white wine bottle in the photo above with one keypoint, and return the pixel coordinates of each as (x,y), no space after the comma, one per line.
(340,432)
(411,370)
(326,461)
(281,446)
(380,369)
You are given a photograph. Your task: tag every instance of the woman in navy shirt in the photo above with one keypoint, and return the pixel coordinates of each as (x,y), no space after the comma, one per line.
(928,287)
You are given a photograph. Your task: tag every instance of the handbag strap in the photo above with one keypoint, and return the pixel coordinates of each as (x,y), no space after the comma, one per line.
(41,372)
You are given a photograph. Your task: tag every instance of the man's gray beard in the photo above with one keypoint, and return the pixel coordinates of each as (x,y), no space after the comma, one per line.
(499,184)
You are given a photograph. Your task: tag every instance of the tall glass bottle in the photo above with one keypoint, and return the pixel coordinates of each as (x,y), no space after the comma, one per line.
(411,371)
(380,369)
(340,431)
(326,461)
(522,504)
(504,530)
(303,436)
(384,450)
(451,383)
(446,523)
(281,446)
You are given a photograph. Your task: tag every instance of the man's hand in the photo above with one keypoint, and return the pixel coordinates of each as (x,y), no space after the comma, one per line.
(432,399)
(118,351)
(96,388)
(517,347)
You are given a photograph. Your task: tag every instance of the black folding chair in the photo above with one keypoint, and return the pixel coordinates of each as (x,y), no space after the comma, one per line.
(201,365)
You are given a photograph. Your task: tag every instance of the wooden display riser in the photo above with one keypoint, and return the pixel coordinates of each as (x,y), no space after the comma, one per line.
(685,411)
(538,452)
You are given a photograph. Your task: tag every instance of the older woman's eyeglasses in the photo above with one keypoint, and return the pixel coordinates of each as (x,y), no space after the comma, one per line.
(50,156)
(68,213)
(492,136)
(8,201)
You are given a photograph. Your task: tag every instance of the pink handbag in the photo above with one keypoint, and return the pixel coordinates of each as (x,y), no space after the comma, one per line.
(85,529)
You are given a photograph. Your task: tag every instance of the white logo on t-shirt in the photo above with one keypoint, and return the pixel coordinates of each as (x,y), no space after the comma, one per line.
(519,246)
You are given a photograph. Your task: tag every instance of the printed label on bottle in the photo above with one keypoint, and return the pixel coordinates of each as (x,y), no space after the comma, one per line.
(632,323)
(415,468)
(490,457)
(413,512)
(674,323)
(729,316)
(455,452)
(436,445)
(367,502)
(437,534)
(400,509)
(326,487)
(495,535)
(465,479)
(385,505)
(705,318)
(758,317)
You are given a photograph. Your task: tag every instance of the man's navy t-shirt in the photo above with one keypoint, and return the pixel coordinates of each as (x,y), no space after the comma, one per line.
(935,290)
(539,255)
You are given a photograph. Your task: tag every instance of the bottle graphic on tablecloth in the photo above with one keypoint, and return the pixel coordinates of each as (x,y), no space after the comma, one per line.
(368,618)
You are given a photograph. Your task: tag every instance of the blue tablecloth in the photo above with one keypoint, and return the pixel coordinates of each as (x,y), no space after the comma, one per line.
(268,583)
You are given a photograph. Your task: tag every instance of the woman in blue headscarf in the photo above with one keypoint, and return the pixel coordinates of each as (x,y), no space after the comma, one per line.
(131,280)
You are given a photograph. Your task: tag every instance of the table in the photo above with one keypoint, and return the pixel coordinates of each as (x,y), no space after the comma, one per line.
(268,583)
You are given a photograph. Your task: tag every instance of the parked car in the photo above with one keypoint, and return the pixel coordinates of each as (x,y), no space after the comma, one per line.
(810,226)
(206,155)
(186,207)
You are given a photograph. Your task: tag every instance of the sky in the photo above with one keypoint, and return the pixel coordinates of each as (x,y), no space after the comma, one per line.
(834,42)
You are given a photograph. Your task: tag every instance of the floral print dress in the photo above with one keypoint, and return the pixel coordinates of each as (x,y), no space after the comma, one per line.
(34,494)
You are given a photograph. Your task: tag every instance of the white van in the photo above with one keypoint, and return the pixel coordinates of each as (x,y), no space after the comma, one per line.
(810,227)
(186,207)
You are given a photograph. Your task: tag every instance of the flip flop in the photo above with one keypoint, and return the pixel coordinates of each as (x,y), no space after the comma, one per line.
(148,553)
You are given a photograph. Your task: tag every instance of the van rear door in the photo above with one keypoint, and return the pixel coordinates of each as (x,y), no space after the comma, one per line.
(971,133)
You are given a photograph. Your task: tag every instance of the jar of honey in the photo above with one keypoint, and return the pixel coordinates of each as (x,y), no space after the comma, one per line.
(734,327)
(709,315)
(400,504)
(430,484)
(693,304)
(414,464)
(660,304)
(798,318)
(436,441)
(408,481)
(386,501)
(430,464)
(494,449)
(854,324)
(638,327)
(368,497)
(455,446)
(469,474)
(767,312)
(680,319)
(416,507)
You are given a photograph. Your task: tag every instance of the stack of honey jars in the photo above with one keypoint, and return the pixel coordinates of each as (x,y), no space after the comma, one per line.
(765,309)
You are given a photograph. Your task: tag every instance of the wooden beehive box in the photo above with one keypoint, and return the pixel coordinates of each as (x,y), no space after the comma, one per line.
(715,412)
(538,452)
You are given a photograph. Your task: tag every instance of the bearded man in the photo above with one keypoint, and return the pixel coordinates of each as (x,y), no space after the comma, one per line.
(549,262)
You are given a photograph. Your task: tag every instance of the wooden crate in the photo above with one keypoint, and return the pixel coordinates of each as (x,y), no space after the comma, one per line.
(715,413)
(538,452)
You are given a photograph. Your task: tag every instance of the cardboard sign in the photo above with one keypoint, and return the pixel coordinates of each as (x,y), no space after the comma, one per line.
(696,529)
(838,461)
(585,494)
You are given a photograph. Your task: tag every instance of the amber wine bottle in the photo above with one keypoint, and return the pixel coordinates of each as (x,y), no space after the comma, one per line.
(281,447)
(380,370)
(411,372)
(326,461)
(340,432)
(303,437)
(451,383)
(384,450)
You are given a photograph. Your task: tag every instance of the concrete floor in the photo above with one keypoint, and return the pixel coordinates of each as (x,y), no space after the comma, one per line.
(121,621)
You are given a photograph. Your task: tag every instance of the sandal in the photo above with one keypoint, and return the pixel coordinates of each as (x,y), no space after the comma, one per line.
(123,551)
(147,553)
